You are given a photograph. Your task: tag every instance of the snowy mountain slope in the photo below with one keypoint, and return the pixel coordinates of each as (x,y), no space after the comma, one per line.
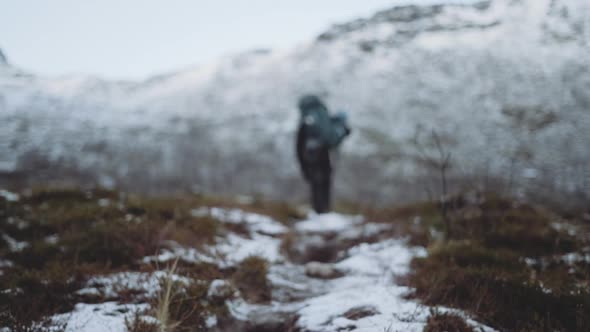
(504,83)
(3,60)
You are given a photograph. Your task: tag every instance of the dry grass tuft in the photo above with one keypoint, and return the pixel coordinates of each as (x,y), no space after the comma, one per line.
(250,279)
(483,269)
(446,322)
(71,235)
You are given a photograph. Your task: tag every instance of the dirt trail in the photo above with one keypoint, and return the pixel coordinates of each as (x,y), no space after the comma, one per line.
(338,274)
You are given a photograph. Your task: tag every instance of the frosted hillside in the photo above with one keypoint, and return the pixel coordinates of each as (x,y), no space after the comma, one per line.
(505,85)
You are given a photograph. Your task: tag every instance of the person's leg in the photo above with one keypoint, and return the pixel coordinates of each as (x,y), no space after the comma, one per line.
(328,193)
(316,196)
(320,182)
(324,192)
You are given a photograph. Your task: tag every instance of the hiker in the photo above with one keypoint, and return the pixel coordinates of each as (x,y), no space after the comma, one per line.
(318,134)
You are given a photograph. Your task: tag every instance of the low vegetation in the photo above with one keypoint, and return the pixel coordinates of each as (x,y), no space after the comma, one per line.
(512,265)
(250,279)
(446,322)
(52,241)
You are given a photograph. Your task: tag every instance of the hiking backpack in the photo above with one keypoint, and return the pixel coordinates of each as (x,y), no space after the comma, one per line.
(321,129)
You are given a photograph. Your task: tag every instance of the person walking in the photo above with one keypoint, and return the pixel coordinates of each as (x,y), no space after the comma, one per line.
(318,134)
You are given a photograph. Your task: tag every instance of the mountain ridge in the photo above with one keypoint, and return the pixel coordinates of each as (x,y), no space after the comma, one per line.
(3,60)
(475,85)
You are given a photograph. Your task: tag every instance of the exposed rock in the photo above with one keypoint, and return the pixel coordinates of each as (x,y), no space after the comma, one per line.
(272,322)
(408,13)
(322,270)
(409,21)
(262,319)
(357,313)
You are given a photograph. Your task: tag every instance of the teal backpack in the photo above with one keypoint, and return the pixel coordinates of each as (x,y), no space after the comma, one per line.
(323,130)
(340,129)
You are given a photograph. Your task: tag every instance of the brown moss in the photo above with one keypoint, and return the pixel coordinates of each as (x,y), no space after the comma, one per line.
(288,242)
(496,221)
(482,268)
(67,196)
(138,324)
(280,211)
(424,210)
(96,232)
(496,289)
(251,279)
(472,254)
(36,255)
(191,231)
(32,295)
(531,241)
(114,243)
(200,271)
(446,322)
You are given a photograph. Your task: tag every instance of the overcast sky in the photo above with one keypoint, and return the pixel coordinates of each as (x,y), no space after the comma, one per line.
(132,39)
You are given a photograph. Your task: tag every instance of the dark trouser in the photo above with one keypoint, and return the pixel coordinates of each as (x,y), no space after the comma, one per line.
(317,171)
(320,193)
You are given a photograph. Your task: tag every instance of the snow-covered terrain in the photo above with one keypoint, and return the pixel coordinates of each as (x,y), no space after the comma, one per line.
(363,296)
(505,84)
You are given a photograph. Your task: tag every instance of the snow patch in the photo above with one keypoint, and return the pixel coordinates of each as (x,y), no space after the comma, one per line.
(255,222)
(369,281)
(190,255)
(51,239)
(9,196)
(110,285)
(368,259)
(236,248)
(13,244)
(576,257)
(102,317)
(328,223)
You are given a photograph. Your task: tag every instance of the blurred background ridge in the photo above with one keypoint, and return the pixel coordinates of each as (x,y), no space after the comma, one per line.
(503,86)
